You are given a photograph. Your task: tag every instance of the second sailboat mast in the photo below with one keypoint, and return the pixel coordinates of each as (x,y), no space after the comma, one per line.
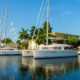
(47,22)
(6,23)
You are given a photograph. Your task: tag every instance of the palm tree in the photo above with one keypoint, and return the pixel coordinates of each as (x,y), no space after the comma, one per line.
(33,32)
(23,35)
(41,38)
(45,27)
(18,42)
(8,40)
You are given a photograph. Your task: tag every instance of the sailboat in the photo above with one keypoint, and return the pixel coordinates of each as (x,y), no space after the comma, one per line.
(5,49)
(54,50)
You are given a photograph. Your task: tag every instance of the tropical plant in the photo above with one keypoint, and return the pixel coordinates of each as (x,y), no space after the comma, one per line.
(18,41)
(8,40)
(24,45)
(18,44)
(73,41)
(79,42)
(45,27)
(33,32)
(41,38)
(23,35)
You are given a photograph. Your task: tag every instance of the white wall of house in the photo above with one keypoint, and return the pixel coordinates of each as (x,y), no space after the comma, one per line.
(33,45)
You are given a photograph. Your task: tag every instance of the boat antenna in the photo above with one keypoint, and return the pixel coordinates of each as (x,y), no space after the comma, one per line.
(47,23)
(6,23)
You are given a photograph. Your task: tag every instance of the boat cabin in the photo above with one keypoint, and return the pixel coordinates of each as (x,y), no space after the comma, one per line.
(57,47)
(2,48)
(6,49)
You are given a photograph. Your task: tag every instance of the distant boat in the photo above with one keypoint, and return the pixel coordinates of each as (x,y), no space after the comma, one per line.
(55,50)
(5,50)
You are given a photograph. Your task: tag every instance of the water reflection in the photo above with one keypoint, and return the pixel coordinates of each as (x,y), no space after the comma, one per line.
(9,67)
(45,69)
(20,68)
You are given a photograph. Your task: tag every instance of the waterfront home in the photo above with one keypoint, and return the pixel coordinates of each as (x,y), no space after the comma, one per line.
(34,46)
(58,37)
(64,35)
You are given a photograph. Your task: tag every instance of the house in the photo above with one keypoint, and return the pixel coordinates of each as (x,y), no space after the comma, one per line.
(58,37)
(64,35)
(33,45)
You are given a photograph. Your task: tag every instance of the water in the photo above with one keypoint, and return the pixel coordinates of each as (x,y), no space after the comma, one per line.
(19,68)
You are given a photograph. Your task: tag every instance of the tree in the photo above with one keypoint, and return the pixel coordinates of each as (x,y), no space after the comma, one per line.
(8,40)
(41,39)
(79,42)
(33,32)
(23,35)
(18,41)
(45,27)
(24,45)
(73,41)
(19,44)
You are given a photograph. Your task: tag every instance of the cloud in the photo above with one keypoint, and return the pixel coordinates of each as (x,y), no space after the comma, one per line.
(13,29)
(12,23)
(15,38)
(14,33)
(67,13)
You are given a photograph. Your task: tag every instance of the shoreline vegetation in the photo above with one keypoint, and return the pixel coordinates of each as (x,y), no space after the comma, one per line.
(40,37)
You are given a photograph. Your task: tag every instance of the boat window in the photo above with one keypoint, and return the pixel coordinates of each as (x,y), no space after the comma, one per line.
(67,48)
(51,48)
(44,48)
(59,48)
(55,47)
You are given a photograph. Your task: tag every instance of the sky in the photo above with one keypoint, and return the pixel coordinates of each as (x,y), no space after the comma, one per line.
(64,15)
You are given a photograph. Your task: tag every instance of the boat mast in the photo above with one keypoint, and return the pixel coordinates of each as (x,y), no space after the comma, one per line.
(6,23)
(38,19)
(47,23)
(1,27)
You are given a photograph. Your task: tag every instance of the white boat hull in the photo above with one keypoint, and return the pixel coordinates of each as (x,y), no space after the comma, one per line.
(27,53)
(10,52)
(54,53)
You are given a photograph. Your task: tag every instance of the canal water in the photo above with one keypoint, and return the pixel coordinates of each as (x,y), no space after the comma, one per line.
(23,68)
